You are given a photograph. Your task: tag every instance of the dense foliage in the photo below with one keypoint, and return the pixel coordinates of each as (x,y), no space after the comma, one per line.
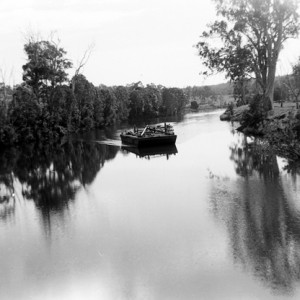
(283,136)
(255,117)
(47,105)
(46,65)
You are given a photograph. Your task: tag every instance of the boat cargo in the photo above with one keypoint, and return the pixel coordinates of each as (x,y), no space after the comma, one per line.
(155,135)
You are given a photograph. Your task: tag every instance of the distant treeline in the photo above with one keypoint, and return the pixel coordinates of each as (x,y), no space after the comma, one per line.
(81,106)
(47,105)
(204,92)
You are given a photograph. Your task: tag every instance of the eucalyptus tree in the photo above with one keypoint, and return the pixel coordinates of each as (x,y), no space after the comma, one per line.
(46,65)
(251,35)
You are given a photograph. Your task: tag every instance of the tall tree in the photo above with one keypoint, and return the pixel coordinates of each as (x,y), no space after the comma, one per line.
(46,65)
(252,33)
(80,65)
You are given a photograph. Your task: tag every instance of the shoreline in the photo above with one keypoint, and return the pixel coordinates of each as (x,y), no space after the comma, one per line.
(280,128)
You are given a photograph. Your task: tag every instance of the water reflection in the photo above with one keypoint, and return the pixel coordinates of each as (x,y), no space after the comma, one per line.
(7,201)
(49,176)
(250,156)
(145,229)
(151,152)
(263,225)
(7,207)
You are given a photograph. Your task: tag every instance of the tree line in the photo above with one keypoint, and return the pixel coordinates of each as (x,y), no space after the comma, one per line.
(48,105)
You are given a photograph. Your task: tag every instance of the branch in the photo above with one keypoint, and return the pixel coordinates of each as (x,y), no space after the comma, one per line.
(85,58)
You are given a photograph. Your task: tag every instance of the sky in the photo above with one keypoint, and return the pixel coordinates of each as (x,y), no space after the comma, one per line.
(133,40)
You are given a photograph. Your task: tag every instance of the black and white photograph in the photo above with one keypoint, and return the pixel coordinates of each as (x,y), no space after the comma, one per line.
(150,150)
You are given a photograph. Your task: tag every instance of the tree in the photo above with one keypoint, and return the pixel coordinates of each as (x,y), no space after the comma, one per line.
(136,100)
(46,65)
(292,82)
(252,33)
(152,100)
(24,112)
(82,63)
(122,97)
(240,91)
(194,105)
(64,112)
(281,92)
(5,89)
(144,101)
(85,95)
(173,101)
(109,101)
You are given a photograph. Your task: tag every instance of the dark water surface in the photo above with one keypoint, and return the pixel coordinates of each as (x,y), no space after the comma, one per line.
(212,218)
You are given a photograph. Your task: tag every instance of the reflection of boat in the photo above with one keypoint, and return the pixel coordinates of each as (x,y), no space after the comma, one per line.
(150,136)
(151,151)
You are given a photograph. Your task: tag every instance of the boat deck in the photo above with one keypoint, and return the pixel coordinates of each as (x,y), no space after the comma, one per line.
(150,136)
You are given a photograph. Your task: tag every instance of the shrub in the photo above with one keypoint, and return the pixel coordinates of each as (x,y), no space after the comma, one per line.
(194,105)
(254,118)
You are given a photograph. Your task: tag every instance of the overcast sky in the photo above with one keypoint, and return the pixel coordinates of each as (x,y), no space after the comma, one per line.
(135,40)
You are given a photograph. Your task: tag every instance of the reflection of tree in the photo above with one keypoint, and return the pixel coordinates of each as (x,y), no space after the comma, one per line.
(51,176)
(7,202)
(249,157)
(264,230)
(7,207)
(293,168)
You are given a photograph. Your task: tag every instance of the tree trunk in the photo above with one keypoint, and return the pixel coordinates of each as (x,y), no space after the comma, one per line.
(269,91)
(243,91)
(269,94)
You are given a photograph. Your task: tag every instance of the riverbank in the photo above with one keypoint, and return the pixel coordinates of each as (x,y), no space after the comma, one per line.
(236,114)
(280,128)
(236,201)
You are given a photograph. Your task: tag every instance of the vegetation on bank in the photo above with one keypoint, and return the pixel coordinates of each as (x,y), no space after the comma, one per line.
(280,128)
(48,105)
(251,35)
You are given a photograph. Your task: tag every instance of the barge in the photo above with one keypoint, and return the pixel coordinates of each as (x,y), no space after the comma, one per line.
(150,136)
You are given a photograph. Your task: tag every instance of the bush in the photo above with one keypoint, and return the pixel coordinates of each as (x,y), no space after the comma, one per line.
(194,105)
(283,136)
(254,118)
(7,135)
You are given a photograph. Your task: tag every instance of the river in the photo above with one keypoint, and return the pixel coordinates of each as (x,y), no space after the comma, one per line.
(212,218)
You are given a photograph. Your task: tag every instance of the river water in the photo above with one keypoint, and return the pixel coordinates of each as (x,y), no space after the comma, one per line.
(212,218)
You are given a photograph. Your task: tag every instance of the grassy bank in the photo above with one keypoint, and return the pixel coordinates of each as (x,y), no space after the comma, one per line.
(279,128)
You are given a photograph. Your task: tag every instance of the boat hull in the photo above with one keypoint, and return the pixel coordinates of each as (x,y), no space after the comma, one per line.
(152,151)
(140,141)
